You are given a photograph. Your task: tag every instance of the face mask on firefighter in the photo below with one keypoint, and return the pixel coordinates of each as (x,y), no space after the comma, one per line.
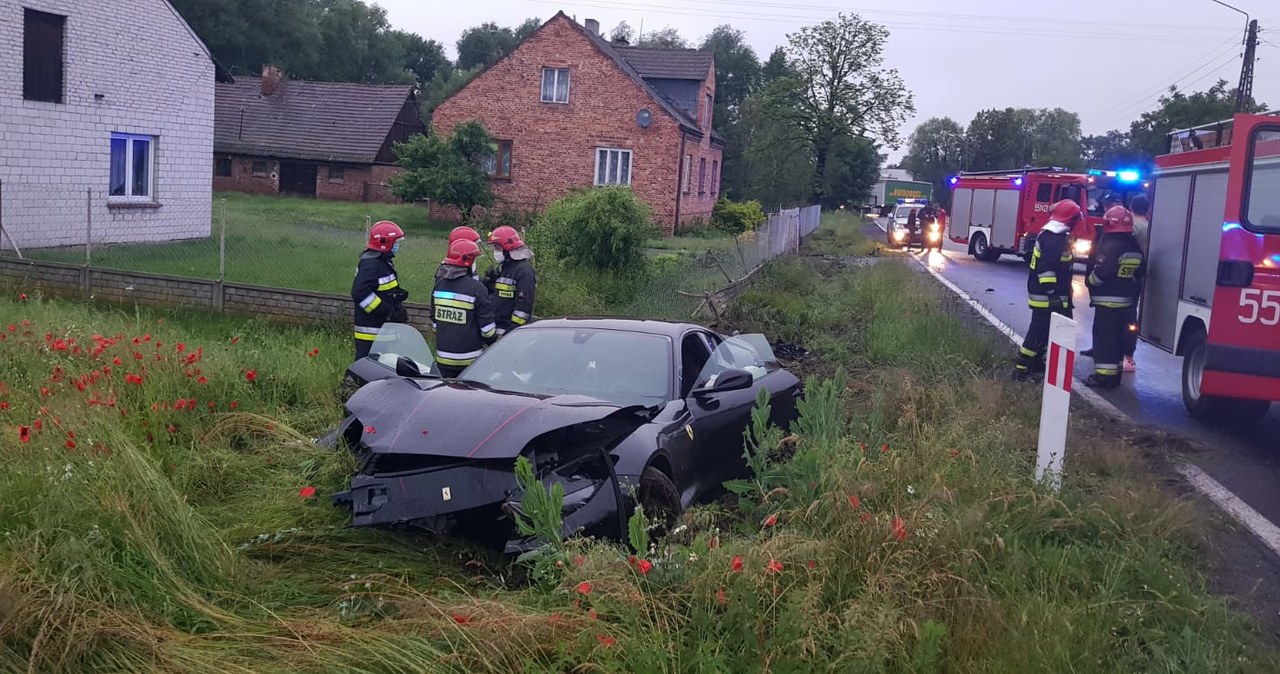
(395,248)
(498,256)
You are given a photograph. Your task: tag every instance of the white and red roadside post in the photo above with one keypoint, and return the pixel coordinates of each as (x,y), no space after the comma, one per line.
(1057,400)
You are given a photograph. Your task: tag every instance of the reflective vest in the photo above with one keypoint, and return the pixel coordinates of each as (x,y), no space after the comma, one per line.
(513,292)
(377,294)
(463,316)
(1118,266)
(1049,280)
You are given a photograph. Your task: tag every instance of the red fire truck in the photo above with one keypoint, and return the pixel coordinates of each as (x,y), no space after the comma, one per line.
(1212,293)
(1001,212)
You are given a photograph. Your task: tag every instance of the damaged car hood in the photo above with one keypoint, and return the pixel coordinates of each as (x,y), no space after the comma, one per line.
(460,420)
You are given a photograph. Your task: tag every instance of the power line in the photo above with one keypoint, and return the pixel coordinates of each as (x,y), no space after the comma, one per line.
(800,20)
(1212,56)
(1128,110)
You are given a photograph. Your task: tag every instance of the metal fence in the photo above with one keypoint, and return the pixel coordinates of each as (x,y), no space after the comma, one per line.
(306,247)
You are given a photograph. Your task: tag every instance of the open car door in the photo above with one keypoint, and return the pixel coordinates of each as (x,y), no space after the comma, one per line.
(399,351)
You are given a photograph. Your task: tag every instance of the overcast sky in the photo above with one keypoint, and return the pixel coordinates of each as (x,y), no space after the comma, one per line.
(1108,60)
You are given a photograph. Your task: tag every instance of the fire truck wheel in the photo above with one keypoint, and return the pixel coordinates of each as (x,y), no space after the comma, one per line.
(979,248)
(1207,407)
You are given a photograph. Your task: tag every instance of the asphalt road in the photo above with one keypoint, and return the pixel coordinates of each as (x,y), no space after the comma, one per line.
(1245,460)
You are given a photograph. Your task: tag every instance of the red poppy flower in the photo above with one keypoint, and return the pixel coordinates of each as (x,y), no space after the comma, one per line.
(592,615)
(584,588)
(862,446)
(459,618)
(192,357)
(137,356)
(146,337)
(44,391)
(644,566)
(307,492)
(577,561)
(172,429)
(884,447)
(71,444)
(71,434)
(250,375)
(234,340)
(80,386)
(116,361)
(38,424)
(771,520)
(813,564)
(24,434)
(22,297)
(202,380)
(954,452)
(899,528)
(212,406)
(180,347)
(736,564)
(234,404)
(4,405)
(721,599)
(866,517)
(313,353)
(13,328)
(714,542)
(855,501)
(180,404)
(606,640)
(774,566)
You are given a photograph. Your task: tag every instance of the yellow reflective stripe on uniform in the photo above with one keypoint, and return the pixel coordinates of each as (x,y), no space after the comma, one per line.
(372,305)
(1107,370)
(1038,304)
(505,280)
(366,334)
(519,317)
(457,359)
(1093,279)
(387,282)
(1049,277)
(446,295)
(441,302)
(1067,257)
(1028,352)
(488,330)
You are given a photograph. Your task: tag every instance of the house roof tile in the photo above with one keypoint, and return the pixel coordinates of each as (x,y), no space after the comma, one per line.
(668,64)
(317,121)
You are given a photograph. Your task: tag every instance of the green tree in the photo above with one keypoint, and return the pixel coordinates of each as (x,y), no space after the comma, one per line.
(1017,137)
(622,33)
(1177,110)
(935,151)
(737,76)
(1056,139)
(423,58)
(446,169)
(442,85)
(245,34)
(667,38)
(776,67)
(369,52)
(854,168)
(840,89)
(483,45)
(1111,150)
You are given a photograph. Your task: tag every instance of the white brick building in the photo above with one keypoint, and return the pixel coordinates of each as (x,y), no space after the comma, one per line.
(106,117)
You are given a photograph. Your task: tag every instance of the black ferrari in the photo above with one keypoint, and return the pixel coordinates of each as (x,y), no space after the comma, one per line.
(617,411)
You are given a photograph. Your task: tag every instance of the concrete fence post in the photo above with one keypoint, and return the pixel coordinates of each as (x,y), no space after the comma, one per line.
(220,290)
(1056,403)
(88,244)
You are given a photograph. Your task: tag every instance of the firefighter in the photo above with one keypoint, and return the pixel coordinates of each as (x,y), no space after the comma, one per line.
(913,227)
(461,310)
(929,216)
(1140,206)
(1048,285)
(376,291)
(1113,292)
(467,234)
(513,281)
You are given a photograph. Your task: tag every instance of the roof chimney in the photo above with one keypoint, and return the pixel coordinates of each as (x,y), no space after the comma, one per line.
(592,26)
(271,77)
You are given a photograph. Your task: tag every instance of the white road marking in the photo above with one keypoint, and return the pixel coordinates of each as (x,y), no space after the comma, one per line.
(1233,505)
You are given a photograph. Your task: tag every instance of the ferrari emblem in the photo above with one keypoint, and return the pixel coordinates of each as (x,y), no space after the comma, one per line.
(446,494)
(689,430)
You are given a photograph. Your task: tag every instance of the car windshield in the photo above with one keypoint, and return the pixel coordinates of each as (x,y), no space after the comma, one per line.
(396,340)
(740,352)
(627,368)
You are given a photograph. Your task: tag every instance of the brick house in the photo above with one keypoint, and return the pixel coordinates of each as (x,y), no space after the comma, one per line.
(106,123)
(571,109)
(329,140)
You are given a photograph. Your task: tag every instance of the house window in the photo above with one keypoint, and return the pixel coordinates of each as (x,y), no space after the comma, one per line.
(260,168)
(706,113)
(555,85)
(688,172)
(222,167)
(337,174)
(42,50)
(498,164)
(702,176)
(613,167)
(132,159)
(715,176)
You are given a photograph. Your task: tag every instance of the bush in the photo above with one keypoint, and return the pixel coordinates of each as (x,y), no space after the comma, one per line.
(602,229)
(736,217)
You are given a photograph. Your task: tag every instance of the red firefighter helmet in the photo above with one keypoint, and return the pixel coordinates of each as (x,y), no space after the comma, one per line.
(1067,212)
(462,253)
(384,235)
(506,237)
(1118,219)
(464,232)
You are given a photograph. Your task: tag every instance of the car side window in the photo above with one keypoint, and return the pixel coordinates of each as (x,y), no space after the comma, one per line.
(694,353)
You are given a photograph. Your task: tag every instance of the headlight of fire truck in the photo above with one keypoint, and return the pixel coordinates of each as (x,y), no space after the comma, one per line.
(1083,246)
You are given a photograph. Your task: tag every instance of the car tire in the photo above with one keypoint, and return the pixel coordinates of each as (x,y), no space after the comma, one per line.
(981,250)
(660,498)
(1216,409)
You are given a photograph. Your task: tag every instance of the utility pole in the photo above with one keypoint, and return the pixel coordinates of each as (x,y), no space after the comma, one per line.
(1244,92)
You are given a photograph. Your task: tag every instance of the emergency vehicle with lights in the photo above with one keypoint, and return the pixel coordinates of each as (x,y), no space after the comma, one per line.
(898,234)
(995,213)
(1212,290)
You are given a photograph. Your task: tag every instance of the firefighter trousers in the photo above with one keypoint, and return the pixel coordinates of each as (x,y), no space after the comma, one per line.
(449,371)
(1031,355)
(1110,335)
(362,347)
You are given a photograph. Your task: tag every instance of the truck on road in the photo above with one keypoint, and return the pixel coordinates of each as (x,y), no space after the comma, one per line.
(1212,290)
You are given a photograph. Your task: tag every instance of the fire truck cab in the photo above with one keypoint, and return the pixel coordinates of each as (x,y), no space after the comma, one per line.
(1212,290)
(1000,212)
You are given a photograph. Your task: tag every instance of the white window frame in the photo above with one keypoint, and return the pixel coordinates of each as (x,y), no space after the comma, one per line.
(555,81)
(128,197)
(609,152)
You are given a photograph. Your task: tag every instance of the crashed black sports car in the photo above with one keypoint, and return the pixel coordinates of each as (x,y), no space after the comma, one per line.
(617,411)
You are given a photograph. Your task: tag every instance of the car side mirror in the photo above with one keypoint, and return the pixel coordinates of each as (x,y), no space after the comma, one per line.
(728,380)
(406,367)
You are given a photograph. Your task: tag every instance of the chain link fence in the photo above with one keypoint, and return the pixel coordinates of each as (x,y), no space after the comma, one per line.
(292,244)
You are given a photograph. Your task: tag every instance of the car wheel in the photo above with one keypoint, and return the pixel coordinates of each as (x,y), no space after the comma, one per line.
(660,499)
(981,250)
(1216,409)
